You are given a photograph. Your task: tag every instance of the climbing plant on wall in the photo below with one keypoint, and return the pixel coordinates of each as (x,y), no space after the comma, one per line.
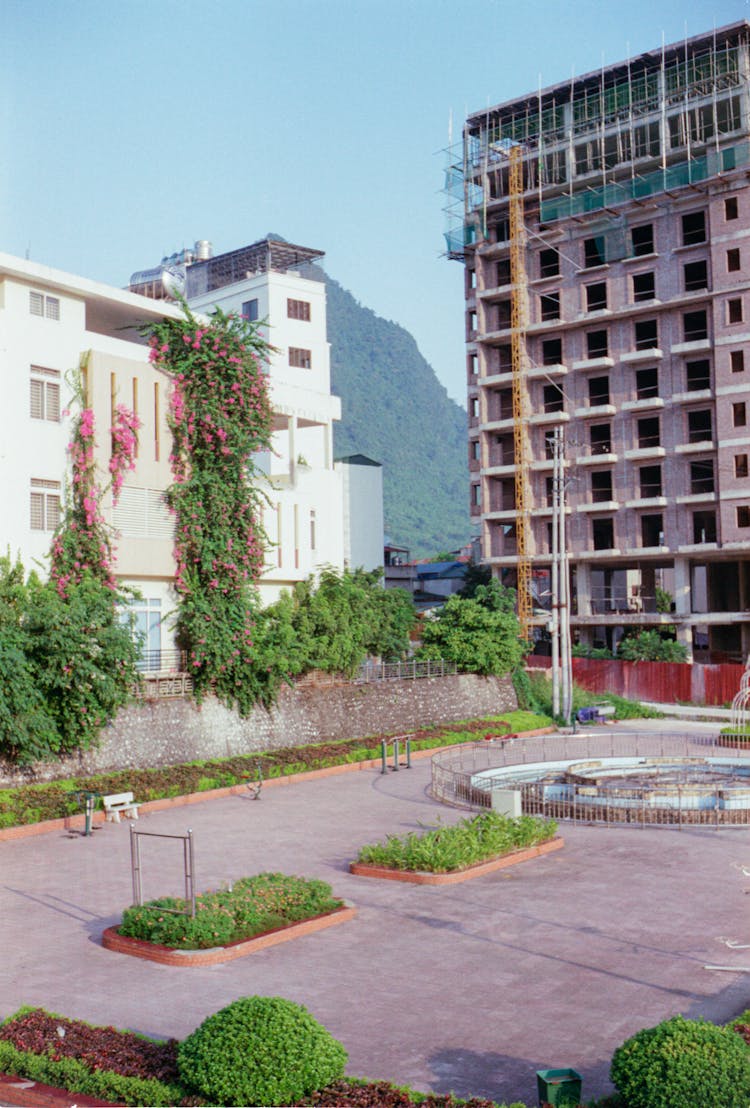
(82,544)
(220,416)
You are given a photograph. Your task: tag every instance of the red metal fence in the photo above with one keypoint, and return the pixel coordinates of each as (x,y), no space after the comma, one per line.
(663,682)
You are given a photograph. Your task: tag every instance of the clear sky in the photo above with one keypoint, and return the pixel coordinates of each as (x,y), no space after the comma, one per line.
(130,129)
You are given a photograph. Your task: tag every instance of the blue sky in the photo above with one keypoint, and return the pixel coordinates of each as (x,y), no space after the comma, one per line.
(130,129)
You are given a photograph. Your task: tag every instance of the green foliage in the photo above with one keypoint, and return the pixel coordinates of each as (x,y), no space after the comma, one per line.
(396,412)
(683,1061)
(335,623)
(583,650)
(541,688)
(219,416)
(67,663)
(253,905)
(260,1050)
(83,656)
(480,635)
(664,600)
(650,646)
(472,840)
(476,574)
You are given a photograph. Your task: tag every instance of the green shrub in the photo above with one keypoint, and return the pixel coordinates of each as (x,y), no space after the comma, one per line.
(683,1062)
(472,840)
(253,905)
(76,1077)
(260,1050)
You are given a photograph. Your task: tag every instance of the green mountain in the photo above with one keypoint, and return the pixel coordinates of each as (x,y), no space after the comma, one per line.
(396,412)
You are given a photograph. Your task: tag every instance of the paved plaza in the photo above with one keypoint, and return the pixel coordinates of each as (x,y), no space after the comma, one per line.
(469,988)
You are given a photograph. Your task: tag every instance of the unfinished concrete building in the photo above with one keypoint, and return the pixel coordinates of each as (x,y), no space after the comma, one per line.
(607,294)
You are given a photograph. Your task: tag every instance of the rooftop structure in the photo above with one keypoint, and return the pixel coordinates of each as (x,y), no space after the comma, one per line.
(604,224)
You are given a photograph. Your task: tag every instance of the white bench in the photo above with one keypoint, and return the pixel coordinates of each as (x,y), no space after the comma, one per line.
(120,804)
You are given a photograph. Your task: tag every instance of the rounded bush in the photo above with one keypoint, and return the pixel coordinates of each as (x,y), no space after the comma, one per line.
(260,1050)
(681,1062)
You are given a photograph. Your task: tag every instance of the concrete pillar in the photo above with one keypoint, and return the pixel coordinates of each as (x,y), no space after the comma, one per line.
(648,589)
(583,588)
(685,636)
(682,605)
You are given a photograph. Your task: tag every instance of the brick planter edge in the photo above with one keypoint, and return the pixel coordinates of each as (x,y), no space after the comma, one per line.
(479,869)
(168,956)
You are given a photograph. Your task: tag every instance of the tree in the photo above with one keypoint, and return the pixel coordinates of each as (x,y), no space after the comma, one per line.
(476,574)
(480,635)
(650,646)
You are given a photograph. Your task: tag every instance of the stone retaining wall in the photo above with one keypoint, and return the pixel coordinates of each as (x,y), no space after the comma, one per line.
(166,732)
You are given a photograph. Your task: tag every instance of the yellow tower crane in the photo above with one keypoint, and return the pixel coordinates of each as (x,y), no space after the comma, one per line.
(519,324)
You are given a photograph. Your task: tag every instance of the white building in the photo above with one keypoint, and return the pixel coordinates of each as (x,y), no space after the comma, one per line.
(51,322)
(363,511)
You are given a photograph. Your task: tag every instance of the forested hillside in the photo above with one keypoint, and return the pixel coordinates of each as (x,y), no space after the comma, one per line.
(395,411)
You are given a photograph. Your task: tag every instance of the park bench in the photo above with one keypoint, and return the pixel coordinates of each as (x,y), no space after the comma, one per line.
(118,804)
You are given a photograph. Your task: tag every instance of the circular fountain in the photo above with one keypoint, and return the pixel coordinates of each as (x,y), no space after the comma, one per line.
(627,777)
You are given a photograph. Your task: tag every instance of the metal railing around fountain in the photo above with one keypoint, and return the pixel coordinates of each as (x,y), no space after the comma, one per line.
(456,779)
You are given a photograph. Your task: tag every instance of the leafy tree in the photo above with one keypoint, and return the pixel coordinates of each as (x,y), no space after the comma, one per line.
(27,730)
(650,646)
(83,657)
(480,635)
(343,617)
(476,574)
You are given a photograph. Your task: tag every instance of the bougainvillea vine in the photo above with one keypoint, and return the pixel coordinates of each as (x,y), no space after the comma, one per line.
(82,544)
(220,416)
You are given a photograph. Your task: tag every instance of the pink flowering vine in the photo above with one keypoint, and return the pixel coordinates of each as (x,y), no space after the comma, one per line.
(220,416)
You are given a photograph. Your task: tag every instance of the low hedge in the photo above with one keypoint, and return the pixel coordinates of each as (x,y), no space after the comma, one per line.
(33,803)
(252,906)
(471,840)
(57,1064)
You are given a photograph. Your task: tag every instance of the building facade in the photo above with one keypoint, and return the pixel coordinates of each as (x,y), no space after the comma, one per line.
(279,284)
(628,288)
(52,323)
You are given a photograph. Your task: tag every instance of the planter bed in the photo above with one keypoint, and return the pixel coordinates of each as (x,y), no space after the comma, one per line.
(169,956)
(478,869)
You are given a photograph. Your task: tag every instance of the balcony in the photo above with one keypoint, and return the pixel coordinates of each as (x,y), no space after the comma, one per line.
(642,405)
(603,362)
(599,506)
(596,458)
(549,417)
(653,353)
(594,411)
(642,452)
(688,397)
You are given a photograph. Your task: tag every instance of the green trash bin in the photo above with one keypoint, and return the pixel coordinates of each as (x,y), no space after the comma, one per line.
(562,1088)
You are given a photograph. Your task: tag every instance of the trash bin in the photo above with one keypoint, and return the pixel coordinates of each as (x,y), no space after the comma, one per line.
(562,1088)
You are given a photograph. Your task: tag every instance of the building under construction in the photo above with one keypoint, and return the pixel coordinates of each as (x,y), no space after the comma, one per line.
(604,224)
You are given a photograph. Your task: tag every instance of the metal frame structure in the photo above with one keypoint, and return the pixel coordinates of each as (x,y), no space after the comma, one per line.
(188,865)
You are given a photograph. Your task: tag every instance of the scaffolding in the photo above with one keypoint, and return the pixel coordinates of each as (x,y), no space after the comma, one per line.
(588,142)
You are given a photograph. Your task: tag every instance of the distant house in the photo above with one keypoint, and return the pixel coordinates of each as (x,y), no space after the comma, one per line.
(362,487)
(439,580)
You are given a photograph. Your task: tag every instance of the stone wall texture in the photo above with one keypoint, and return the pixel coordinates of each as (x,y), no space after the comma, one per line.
(166,732)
